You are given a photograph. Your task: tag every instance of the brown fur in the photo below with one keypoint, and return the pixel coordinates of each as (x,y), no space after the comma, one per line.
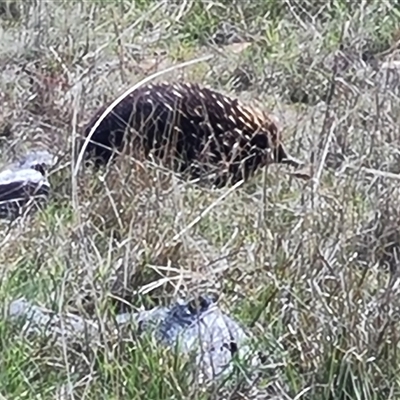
(194,129)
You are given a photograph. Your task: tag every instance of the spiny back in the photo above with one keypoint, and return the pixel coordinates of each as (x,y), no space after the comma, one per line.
(199,129)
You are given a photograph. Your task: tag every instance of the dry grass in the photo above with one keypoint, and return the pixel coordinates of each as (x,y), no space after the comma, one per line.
(311,267)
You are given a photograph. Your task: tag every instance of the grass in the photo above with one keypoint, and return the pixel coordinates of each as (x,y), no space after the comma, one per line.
(311,268)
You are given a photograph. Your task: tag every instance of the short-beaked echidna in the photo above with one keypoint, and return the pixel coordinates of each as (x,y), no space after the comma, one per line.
(200,130)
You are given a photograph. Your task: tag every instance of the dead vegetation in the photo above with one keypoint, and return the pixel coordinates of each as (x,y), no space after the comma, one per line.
(311,267)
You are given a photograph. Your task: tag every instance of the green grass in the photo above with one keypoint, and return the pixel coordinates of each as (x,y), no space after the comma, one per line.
(312,271)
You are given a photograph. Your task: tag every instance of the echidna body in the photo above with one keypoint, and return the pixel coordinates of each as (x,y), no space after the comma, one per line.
(200,130)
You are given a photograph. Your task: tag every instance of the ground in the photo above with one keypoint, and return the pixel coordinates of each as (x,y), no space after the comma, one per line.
(311,267)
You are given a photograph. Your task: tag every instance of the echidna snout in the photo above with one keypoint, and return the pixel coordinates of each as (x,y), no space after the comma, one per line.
(275,154)
(283,157)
